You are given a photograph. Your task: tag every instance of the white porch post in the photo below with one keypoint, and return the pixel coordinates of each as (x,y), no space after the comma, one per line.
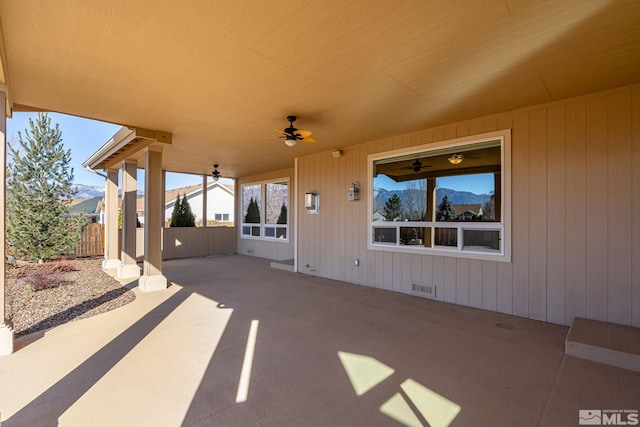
(111,249)
(204,200)
(152,278)
(128,266)
(6,333)
(164,199)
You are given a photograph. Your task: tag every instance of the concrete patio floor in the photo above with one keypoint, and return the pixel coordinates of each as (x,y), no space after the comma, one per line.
(326,353)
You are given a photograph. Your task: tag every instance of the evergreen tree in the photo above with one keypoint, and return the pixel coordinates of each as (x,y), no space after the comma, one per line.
(445,211)
(175,214)
(188,218)
(393,208)
(282,219)
(182,216)
(253,212)
(40,191)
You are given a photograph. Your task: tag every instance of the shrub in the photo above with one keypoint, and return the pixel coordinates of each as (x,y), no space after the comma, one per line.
(45,276)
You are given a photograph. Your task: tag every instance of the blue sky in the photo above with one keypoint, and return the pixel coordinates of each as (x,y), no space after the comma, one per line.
(84,137)
(477,184)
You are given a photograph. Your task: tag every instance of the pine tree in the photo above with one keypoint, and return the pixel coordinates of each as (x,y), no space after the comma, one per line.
(40,191)
(253,212)
(282,219)
(182,216)
(188,218)
(393,208)
(445,211)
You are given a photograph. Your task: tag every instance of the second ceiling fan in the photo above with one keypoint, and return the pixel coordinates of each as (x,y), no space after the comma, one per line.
(292,135)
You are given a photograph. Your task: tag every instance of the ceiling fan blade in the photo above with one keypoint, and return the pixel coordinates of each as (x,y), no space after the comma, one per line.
(303,133)
(308,139)
(280,131)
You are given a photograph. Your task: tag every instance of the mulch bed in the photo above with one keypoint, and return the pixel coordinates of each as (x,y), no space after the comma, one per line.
(82,289)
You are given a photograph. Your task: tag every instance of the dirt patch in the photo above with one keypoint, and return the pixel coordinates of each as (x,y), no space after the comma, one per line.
(81,289)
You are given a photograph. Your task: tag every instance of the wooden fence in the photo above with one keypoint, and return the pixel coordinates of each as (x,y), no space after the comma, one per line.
(91,241)
(179,242)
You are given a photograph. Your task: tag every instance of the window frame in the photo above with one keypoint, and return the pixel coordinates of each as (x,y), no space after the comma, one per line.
(263,225)
(503,227)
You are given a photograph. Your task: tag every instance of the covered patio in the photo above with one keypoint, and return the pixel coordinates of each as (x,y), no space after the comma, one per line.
(235,342)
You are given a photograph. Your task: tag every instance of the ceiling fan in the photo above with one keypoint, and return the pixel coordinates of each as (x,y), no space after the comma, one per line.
(292,135)
(216,173)
(417,166)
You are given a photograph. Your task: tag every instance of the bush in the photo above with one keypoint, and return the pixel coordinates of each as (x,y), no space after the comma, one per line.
(48,275)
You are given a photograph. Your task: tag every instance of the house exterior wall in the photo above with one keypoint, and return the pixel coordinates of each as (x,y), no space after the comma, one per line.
(218,201)
(270,249)
(575,239)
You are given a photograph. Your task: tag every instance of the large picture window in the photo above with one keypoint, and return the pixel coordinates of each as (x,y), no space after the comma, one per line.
(451,198)
(265,210)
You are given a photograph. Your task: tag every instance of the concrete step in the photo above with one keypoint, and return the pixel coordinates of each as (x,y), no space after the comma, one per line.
(286,265)
(608,343)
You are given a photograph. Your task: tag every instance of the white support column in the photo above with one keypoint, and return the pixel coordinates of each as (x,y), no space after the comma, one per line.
(204,200)
(111,248)
(6,333)
(128,266)
(164,199)
(152,278)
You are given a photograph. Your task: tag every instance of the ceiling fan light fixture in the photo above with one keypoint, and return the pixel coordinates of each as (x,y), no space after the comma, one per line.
(216,173)
(291,141)
(456,159)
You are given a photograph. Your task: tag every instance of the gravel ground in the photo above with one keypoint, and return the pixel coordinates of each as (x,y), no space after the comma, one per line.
(83,292)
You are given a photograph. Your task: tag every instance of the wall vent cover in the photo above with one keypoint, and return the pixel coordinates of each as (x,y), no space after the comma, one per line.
(424,290)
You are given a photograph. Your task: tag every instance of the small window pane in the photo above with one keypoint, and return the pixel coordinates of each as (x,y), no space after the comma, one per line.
(218,217)
(251,202)
(269,232)
(482,239)
(384,235)
(255,231)
(225,217)
(412,236)
(281,232)
(277,195)
(446,236)
(246,230)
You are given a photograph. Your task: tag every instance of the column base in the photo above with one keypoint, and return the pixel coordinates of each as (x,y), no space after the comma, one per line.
(152,283)
(108,264)
(6,340)
(127,271)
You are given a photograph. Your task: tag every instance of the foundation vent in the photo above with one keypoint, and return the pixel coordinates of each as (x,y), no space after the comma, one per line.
(423,290)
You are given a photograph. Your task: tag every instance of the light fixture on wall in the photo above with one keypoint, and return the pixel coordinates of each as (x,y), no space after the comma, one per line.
(216,173)
(456,159)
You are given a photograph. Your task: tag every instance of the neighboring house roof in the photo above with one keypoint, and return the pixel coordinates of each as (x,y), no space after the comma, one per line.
(191,191)
(90,206)
(474,208)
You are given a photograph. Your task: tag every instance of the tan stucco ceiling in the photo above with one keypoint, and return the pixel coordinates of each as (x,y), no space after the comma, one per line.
(221,75)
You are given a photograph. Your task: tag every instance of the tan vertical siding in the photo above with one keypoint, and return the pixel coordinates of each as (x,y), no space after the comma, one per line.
(635,208)
(575,239)
(576,211)
(556,213)
(538,214)
(597,201)
(619,208)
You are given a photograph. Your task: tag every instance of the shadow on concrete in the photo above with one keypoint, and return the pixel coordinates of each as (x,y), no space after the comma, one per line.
(63,394)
